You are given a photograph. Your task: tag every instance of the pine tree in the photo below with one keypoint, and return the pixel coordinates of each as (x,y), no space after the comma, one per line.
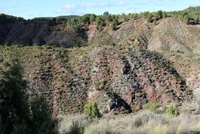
(92,18)
(113,26)
(86,26)
(115,21)
(196,19)
(41,121)
(92,110)
(100,26)
(186,19)
(159,14)
(98,21)
(154,22)
(17,114)
(14,107)
(149,18)
(78,44)
(107,24)
(164,14)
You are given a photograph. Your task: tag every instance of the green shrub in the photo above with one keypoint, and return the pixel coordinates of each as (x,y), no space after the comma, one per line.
(92,110)
(41,118)
(172,110)
(154,22)
(149,18)
(113,26)
(112,44)
(76,128)
(151,106)
(100,27)
(78,44)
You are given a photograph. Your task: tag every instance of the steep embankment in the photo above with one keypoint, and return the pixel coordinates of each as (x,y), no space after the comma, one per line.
(40,33)
(131,32)
(169,34)
(120,79)
(172,34)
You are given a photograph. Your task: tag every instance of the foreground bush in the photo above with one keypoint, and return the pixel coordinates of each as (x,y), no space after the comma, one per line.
(41,118)
(73,123)
(76,128)
(172,110)
(92,110)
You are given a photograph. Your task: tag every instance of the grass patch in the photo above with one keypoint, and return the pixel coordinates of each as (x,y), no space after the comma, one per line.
(151,106)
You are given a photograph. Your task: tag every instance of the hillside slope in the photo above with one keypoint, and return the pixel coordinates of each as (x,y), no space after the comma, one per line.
(121,70)
(119,79)
(174,35)
(170,34)
(40,33)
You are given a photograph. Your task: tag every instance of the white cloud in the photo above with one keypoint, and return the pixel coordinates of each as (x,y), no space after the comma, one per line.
(104,5)
(75,8)
(70,6)
(15,6)
(91,4)
(129,11)
(157,2)
(94,4)
(1,9)
(121,4)
(145,2)
(67,9)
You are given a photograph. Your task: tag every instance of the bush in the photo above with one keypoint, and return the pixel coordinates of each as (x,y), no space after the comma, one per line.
(42,121)
(78,44)
(92,110)
(76,128)
(172,110)
(112,44)
(154,22)
(151,106)
(100,27)
(113,26)
(149,18)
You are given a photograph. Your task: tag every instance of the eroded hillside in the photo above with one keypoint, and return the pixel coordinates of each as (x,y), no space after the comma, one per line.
(120,79)
(41,33)
(169,34)
(121,69)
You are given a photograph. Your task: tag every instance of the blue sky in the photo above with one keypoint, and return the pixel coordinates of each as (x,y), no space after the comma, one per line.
(50,8)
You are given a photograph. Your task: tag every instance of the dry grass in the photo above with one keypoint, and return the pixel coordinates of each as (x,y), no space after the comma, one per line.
(144,122)
(67,121)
